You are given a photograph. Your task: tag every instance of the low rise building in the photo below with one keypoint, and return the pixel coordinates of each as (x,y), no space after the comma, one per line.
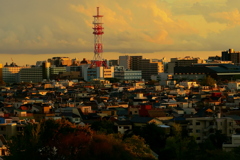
(235,142)
(126,74)
(234,85)
(203,127)
(97,73)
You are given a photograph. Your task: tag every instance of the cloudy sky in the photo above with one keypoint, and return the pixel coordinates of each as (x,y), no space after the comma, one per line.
(38,29)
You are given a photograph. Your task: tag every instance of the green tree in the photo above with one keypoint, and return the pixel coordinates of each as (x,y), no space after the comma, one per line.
(218,139)
(179,147)
(104,126)
(236,152)
(137,147)
(208,81)
(154,136)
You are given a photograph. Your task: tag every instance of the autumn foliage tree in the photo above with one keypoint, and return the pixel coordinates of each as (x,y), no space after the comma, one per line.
(52,139)
(60,139)
(208,81)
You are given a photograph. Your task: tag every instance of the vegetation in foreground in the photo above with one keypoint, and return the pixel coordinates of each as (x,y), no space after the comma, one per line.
(60,139)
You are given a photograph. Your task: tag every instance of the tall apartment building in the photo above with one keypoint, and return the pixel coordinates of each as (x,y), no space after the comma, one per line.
(124,61)
(147,66)
(163,66)
(183,62)
(135,62)
(130,62)
(113,62)
(231,55)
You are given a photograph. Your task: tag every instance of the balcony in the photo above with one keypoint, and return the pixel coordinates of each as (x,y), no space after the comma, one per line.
(206,136)
(209,127)
(190,126)
(191,134)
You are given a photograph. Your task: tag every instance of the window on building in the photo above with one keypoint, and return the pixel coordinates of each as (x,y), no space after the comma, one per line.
(2,128)
(3,152)
(198,131)
(19,128)
(85,110)
(198,138)
(197,123)
(126,127)
(112,113)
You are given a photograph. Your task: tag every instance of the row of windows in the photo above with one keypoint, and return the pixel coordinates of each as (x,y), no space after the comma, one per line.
(132,74)
(30,75)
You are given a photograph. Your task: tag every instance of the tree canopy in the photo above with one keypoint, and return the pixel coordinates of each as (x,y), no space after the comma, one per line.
(208,81)
(60,139)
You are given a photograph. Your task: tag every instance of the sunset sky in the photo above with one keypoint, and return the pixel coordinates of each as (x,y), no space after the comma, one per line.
(33,30)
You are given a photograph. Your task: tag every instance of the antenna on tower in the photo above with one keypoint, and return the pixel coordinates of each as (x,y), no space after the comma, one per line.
(98,45)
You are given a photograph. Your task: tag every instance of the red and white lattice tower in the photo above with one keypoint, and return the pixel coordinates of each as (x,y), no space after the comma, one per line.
(98,46)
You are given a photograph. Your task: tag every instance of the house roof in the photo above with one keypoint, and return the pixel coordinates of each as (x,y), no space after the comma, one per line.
(178,108)
(157,113)
(235,117)
(69,114)
(122,112)
(203,112)
(9,109)
(137,119)
(127,122)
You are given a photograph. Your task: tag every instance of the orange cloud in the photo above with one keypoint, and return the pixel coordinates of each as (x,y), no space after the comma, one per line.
(232,18)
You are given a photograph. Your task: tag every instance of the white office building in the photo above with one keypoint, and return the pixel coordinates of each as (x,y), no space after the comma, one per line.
(97,73)
(126,74)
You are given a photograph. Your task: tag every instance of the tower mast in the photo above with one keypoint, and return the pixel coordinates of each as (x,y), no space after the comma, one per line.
(98,45)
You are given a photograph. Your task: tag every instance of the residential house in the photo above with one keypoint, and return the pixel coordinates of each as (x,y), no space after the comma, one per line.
(139,99)
(3,146)
(142,121)
(123,126)
(234,85)
(8,129)
(235,143)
